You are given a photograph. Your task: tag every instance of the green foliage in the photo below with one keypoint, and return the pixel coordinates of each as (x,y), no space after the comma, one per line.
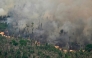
(5,53)
(24,55)
(42,55)
(46,56)
(60,54)
(1,37)
(18,54)
(48,47)
(39,53)
(14,42)
(33,56)
(3,26)
(23,42)
(88,47)
(31,51)
(0,52)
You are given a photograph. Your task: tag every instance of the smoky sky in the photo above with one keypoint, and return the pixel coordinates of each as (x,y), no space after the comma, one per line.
(73,16)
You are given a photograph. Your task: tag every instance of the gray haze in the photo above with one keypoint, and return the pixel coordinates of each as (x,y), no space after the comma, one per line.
(73,16)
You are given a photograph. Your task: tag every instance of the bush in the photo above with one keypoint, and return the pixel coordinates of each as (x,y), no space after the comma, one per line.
(24,55)
(31,51)
(18,54)
(88,47)
(3,26)
(14,42)
(23,42)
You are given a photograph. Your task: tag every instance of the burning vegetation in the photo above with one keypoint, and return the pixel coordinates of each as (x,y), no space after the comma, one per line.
(67,25)
(63,23)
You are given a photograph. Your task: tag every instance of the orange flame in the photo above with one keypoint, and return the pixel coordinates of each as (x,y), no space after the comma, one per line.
(2,33)
(57,47)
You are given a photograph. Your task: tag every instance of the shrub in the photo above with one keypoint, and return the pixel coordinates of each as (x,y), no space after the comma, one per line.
(14,42)
(23,42)
(88,47)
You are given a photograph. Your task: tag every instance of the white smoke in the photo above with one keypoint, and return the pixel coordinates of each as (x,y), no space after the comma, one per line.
(2,12)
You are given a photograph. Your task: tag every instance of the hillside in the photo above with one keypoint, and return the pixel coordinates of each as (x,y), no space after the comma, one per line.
(24,48)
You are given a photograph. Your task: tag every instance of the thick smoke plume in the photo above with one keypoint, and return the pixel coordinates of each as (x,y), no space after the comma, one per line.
(54,21)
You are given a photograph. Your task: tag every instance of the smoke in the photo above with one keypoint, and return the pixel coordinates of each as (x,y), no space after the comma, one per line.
(5,6)
(49,17)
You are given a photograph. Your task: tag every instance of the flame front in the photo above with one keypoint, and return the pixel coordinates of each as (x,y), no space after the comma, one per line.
(3,34)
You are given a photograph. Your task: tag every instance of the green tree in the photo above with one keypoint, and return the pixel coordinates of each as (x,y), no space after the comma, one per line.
(3,26)
(5,54)
(25,55)
(88,47)
(23,42)
(18,54)
(14,43)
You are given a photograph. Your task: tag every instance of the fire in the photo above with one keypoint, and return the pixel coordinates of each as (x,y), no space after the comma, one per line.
(72,51)
(2,33)
(57,47)
(65,51)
